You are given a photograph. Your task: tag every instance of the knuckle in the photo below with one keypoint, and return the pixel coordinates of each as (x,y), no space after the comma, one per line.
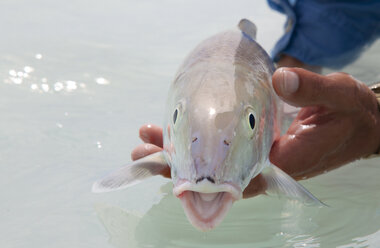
(318,86)
(337,74)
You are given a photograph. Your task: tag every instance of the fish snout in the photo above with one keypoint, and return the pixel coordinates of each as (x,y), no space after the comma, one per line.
(195,141)
(208,156)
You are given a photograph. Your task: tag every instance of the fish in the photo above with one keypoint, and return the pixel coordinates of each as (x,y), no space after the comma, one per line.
(222,117)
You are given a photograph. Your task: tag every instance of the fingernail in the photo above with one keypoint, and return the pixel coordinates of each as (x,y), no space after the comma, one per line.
(290,82)
(144,136)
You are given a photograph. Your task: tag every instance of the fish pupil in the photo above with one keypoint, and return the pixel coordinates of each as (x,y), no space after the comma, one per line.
(175,116)
(252,121)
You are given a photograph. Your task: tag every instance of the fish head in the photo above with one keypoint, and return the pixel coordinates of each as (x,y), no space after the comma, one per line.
(214,140)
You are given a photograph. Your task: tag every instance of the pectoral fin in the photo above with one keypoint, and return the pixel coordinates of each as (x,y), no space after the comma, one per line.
(132,173)
(280,183)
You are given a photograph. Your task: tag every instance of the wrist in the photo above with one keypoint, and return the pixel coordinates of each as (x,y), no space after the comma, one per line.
(376,90)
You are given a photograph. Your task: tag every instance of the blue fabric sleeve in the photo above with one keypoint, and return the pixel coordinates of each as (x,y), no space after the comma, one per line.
(329,33)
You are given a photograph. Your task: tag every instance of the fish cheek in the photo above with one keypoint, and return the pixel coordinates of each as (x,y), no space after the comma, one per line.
(242,159)
(168,132)
(251,154)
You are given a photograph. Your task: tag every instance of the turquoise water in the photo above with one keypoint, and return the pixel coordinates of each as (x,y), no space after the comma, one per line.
(78,78)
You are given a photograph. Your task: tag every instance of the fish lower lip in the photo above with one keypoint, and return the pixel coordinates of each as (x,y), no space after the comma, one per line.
(207,197)
(206,187)
(206,204)
(206,210)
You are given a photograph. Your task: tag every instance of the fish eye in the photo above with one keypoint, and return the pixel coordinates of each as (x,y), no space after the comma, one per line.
(251,119)
(178,112)
(175,115)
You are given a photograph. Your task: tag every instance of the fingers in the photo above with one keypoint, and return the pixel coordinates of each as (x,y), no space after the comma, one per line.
(144,150)
(255,187)
(308,150)
(301,88)
(151,134)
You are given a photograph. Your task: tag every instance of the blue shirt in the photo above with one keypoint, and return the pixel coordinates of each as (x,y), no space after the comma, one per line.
(330,33)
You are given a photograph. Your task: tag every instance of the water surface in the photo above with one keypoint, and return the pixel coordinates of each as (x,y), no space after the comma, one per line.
(78,78)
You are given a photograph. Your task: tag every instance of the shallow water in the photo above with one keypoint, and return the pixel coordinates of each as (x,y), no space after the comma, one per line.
(78,78)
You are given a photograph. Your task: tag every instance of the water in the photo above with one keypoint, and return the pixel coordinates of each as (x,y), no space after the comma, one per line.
(78,78)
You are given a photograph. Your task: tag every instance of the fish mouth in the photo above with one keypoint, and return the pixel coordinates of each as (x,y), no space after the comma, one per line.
(205,203)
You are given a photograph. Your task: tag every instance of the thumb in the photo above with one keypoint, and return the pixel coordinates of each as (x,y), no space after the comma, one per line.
(301,88)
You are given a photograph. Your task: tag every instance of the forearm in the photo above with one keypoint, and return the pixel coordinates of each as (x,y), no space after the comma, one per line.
(376,90)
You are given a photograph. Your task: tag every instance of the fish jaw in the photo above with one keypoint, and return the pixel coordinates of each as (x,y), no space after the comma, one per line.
(206,204)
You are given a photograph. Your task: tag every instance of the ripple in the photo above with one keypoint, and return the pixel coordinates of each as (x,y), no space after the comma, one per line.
(71,85)
(58,86)
(99,144)
(45,87)
(16,80)
(28,69)
(38,56)
(34,86)
(13,73)
(27,75)
(102,81)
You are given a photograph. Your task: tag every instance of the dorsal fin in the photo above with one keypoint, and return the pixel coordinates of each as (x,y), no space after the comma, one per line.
(248,27)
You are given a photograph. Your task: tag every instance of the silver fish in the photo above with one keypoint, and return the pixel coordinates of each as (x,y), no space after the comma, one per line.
(221,119)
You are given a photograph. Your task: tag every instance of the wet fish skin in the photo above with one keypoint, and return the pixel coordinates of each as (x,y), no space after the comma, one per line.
(221,119)
(221,82)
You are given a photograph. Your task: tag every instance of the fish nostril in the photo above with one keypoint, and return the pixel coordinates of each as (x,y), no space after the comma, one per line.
(199,179)
(227,143)
(194,139)
(208,178)
(211,179)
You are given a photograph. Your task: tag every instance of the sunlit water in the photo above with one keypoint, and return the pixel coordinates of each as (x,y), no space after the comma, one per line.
(78,78)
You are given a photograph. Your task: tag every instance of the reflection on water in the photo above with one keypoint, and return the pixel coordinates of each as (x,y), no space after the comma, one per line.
(78,78)
(261,222)
(43,85)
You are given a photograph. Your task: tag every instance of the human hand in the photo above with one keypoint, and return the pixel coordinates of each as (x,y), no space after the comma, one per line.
(339,122)
(152,137)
